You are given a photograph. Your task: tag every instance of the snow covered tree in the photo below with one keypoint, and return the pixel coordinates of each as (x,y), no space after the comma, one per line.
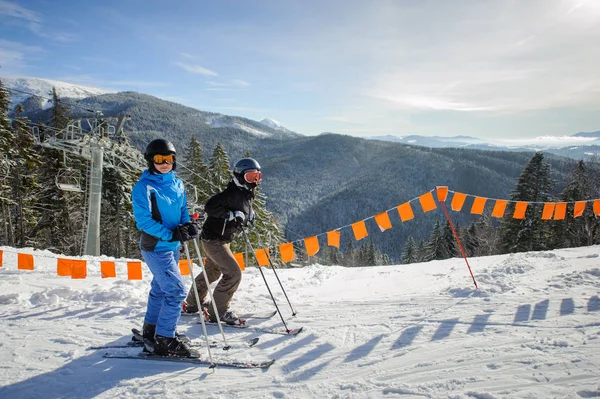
(410,251)
(196,175)
(7,163)
(531,233)
(451,245)
(436,246)
(219,168)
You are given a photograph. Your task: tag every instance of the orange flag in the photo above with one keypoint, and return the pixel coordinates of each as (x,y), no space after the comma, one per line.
(383,221)
(1,252)
(442,193)
(579,208)
(458,200)
(287,252)
(262,256)
(499,208)
(108,269)
(405,212)
(239,258)
(560,211)
(134,270)
(360,230)
(548,211)
(25,261)
(597,207)
(184,268)
(79,269)
(333,238)
(520,209)
(64,267)
(427,202)
(478,205)
(312,245)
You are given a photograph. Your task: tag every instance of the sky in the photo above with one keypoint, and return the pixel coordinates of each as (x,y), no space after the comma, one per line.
(531,330)
(487,69)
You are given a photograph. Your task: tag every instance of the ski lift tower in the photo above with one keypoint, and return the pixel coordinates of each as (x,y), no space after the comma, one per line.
(102,145)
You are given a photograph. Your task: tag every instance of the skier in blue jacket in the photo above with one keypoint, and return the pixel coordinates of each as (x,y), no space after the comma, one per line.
(160,211)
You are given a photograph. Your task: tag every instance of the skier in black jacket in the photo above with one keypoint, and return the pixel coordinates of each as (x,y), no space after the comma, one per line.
(226,213)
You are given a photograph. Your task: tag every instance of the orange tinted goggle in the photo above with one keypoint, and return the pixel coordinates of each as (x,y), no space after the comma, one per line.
(160,159)
(253,177)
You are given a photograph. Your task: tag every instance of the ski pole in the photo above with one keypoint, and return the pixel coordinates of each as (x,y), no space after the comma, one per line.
(265,280)
(275,271)
(212,300)
(190,266)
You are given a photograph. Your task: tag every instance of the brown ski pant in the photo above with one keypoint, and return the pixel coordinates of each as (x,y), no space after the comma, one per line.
(219,261)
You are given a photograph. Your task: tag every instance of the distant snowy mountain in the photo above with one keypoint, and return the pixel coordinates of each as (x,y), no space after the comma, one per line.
(24,88)
(273,124)
(259,129)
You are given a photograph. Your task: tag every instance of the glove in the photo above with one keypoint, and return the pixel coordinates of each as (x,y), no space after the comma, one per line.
(192,229)
(251,217)
(238,217)
(180,233)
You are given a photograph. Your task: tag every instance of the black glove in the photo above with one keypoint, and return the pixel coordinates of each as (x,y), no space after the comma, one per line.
(238,217)
(192,229)
(180,233)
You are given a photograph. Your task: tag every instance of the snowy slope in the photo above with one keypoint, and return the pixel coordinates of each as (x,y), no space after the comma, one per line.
(532,330)
(42,87)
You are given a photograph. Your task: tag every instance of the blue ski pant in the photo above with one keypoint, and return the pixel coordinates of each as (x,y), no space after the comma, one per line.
(167,291)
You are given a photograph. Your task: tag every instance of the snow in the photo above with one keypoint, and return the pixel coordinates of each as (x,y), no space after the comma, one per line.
(531,330)
(43,87)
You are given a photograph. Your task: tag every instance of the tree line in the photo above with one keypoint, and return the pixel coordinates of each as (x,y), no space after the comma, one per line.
(36,210)
(489,236)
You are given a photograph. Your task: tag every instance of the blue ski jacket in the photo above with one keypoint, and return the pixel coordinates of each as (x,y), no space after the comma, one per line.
(159,205)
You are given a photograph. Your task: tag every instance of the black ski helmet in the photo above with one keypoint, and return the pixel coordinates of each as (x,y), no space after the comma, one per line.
(241,167)
(161,147)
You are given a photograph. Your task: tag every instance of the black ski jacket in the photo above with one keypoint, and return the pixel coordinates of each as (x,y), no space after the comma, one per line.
(217,208)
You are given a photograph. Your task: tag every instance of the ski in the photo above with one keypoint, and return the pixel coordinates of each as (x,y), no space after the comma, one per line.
(137,337)
(280,331)
(266,315)
(197,361)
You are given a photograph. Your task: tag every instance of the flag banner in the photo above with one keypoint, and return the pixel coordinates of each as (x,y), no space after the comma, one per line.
(499,208)
(312,245)
(25,262)
(108,269)
(360,230)
(427,202)
(478,205)
(458,200)
(597,207)
(287,252)
(405,211)
(333,238)
(239,258)
(134,270)
(184,268)
(579,208)
(1,252)
(383,221)
(64,268)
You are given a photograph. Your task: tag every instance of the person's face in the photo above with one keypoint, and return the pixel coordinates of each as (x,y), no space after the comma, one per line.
(163,167)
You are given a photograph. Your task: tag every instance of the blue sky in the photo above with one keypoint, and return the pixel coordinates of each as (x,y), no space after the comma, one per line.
(489,69)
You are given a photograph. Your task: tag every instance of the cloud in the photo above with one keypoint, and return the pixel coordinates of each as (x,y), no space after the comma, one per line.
(200,70)
(13,56)
(32,21)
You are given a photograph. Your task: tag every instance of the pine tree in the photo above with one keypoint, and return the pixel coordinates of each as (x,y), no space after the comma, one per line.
(410,251)
(421,254)
(531,233)
(584,229)
(24,179)
(219,168)
(7,164)
(436,246)
(59,113)
(196,175)
(451,245)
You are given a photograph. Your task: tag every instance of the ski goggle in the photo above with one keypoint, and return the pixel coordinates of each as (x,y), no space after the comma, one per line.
(254,176)
(161,159)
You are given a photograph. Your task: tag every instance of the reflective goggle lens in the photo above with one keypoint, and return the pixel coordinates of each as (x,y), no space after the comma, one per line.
(253,177)
(160,159)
